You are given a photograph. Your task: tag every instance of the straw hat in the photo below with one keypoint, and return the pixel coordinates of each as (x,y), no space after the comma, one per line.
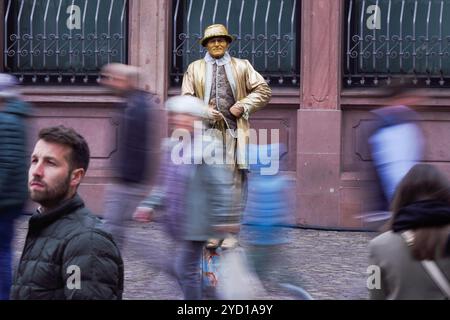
(216,30)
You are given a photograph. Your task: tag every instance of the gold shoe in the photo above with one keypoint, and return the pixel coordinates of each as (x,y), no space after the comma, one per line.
(230,243)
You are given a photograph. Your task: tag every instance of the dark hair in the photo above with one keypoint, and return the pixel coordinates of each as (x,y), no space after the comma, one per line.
(79,157)
(422,182)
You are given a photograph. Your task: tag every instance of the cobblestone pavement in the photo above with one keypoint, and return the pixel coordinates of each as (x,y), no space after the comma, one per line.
(328,264)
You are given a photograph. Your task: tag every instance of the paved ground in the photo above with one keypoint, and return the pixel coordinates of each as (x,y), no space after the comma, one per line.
(329,265)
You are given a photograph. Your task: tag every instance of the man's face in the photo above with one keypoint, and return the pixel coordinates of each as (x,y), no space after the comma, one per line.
(49,176)
(217,47)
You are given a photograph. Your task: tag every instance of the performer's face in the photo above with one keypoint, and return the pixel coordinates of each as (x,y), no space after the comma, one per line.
(217,47)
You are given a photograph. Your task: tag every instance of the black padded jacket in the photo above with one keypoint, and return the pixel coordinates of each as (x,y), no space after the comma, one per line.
(67,255)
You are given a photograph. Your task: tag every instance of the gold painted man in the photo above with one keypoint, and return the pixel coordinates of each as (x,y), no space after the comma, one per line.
(233,90)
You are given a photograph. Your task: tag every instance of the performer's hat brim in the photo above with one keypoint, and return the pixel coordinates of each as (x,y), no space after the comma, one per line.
(216,30)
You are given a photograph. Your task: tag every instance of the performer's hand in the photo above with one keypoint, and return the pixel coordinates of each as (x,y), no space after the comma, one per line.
(213,114)
(237,110)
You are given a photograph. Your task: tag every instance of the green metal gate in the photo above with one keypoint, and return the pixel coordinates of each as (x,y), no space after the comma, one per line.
(63,40)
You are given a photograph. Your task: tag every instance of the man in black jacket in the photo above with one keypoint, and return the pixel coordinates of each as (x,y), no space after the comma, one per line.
(66,254)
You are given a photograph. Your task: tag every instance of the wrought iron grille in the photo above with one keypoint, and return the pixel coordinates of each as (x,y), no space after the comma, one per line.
(405,39)
(265,31)
(63,41)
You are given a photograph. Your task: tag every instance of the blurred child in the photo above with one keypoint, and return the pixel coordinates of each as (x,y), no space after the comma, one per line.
(267,214)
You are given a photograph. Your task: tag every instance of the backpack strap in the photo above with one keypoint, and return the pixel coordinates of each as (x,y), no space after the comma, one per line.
(437,276)
(430,266)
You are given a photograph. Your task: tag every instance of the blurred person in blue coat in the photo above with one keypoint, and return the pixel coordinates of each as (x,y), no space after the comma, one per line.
(267,215)
(13,171)
(396,144)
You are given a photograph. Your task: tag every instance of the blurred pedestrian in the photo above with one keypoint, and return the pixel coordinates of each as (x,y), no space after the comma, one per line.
(13,171)
(396,144)
(422,200)
(233,90)
(193,191)
(133,166)
(66,253)
(267,215)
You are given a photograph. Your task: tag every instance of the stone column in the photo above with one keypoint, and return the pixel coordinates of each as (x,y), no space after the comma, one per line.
(149,31)
(319,116)
(149,42)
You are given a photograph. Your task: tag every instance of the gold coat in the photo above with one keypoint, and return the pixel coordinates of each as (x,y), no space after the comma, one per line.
(251,90)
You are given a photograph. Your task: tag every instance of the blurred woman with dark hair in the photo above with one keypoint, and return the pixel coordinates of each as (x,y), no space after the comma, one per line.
(421,201)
